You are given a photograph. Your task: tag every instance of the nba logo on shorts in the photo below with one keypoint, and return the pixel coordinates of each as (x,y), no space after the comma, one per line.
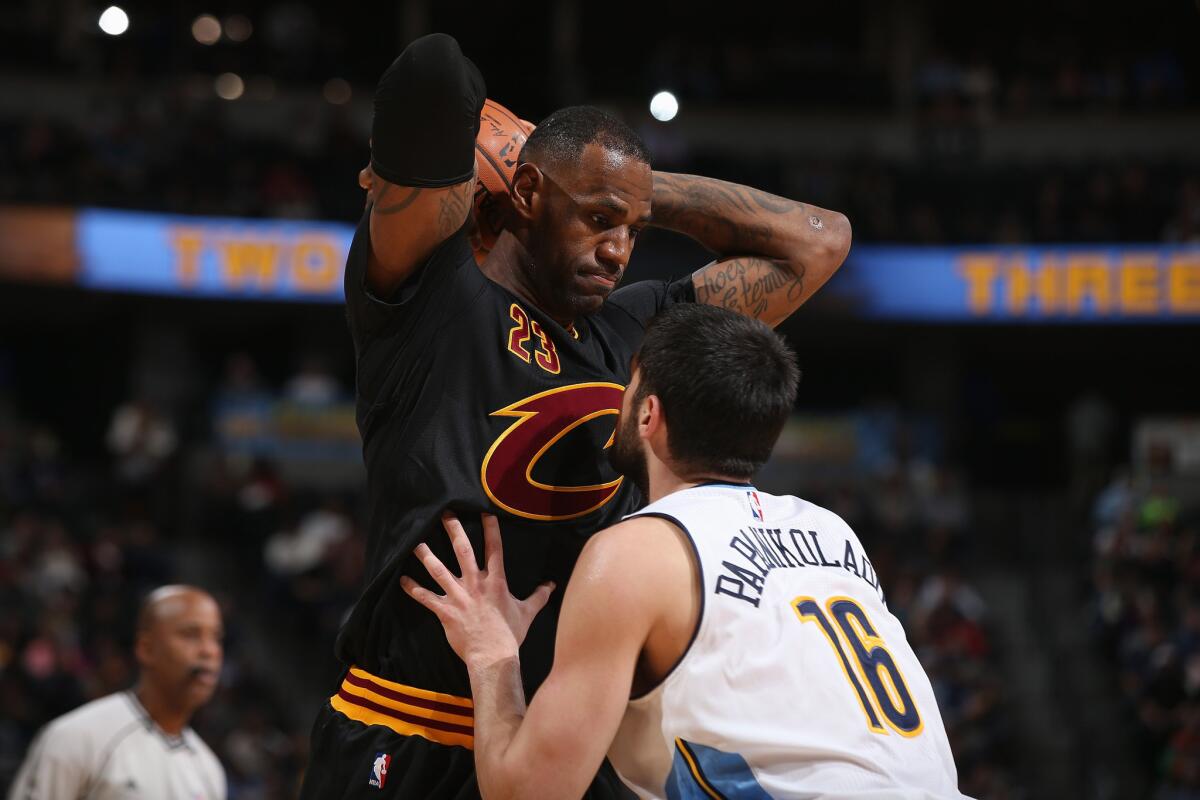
(379,770)
(755,506)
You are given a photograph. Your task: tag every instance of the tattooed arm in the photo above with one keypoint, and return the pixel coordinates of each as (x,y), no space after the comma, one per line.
(422,173)
(407,225)
(772,253)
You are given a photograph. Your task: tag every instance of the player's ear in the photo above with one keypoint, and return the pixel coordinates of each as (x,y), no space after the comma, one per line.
(528,184)
(650,416)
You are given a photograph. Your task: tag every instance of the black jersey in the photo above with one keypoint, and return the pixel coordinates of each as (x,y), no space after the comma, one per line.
(471,399)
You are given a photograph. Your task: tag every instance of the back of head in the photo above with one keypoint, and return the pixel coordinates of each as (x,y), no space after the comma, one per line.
(726,383)
(561,137)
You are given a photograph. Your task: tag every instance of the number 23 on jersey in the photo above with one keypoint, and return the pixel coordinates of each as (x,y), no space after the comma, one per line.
(544,355)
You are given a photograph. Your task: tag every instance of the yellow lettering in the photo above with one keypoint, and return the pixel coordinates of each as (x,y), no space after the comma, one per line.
(248,261)
(1024,285)
(188,242)
(979,272)
(1183,284)
(1138,284)
(1088,276)
(314,263)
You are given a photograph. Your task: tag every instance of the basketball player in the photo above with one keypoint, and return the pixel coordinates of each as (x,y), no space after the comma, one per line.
(137,743)
(494,387)
(735,643)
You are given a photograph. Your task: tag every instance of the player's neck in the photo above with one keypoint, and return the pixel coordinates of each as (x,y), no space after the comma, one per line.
(661,488)
(664,480)
(168,716)
(504,266)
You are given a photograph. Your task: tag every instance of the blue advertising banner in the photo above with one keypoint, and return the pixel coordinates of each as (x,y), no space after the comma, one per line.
(303,261)
(1075,283)
(212,256)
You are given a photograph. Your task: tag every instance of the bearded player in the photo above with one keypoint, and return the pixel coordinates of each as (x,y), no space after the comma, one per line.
(494,387)
(721,642)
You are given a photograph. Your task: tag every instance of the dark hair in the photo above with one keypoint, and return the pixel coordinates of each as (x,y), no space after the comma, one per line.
(562,136)
(726,382)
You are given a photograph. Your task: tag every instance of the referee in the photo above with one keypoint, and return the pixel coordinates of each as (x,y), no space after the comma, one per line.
(136,743)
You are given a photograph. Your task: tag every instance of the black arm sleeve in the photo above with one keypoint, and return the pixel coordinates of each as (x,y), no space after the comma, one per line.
(427,109)
(644,299)
(630,308)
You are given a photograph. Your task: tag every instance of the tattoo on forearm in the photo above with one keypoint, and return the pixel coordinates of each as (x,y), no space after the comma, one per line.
(719,195)
(752,286)
(751,238)
(723,216)
(709,224)
(454,208)
(398,203)
(453,205)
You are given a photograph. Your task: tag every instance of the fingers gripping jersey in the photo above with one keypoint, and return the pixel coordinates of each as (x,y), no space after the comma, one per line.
(799,682)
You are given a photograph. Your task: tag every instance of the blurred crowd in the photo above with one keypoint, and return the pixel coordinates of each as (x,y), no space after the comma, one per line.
(1036,70)
(173,154)
(1146,605)
(852,55)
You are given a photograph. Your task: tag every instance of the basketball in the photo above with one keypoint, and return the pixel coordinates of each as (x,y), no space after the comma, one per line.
(501,136)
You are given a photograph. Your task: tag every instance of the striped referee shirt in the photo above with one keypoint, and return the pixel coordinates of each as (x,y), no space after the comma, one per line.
(110,749)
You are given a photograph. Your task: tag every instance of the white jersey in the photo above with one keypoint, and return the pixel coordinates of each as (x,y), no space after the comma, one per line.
(798,681)
(110,749)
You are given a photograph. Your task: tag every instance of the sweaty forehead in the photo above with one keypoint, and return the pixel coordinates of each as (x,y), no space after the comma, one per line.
(602,172)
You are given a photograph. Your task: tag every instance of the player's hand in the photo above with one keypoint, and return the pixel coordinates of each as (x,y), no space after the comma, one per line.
(484,623)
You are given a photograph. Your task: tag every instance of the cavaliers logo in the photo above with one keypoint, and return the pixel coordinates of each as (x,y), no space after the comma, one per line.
(542,420)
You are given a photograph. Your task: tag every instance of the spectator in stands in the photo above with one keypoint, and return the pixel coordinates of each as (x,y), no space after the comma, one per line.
(1147,611)
(141,439)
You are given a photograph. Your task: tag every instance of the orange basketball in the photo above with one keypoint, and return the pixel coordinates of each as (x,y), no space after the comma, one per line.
(501,136)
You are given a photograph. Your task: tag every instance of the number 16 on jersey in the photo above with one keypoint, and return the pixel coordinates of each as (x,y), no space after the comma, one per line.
(888,700)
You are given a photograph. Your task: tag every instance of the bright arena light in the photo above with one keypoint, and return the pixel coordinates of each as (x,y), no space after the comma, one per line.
(114,21)
(664,106)
(229,86)
(206,29)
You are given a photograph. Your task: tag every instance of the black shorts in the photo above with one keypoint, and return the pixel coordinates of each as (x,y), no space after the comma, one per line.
(376,739)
